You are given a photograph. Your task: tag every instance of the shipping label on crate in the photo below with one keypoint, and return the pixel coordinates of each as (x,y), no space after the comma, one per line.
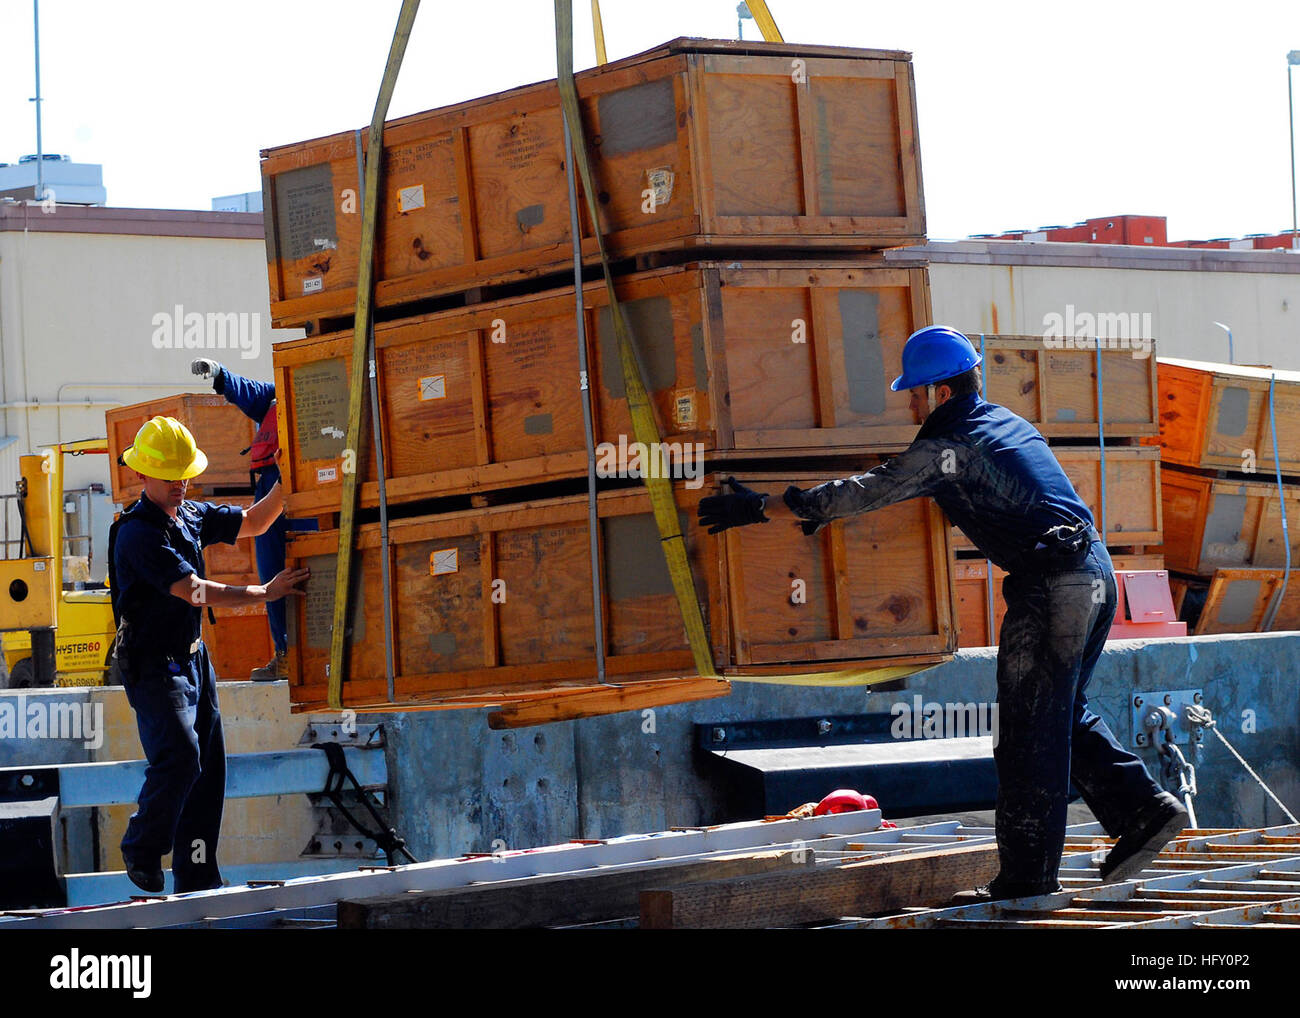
(684,409)
(433,387)
(444,561)
(660,184)
(410,198)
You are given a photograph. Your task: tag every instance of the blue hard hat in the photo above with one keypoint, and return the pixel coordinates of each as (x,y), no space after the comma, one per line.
(933,354)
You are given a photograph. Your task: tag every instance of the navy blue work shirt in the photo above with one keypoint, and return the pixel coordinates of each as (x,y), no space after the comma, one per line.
(990,471)
(151,552)
(254,400)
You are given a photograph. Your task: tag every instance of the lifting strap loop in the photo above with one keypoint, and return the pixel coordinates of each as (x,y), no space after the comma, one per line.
(385,837)
(644,426)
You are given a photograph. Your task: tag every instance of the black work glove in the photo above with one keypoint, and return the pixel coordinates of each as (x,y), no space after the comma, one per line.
(794,499)
(204,366)
(741,508)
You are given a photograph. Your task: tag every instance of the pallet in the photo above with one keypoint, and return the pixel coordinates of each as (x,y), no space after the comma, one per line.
(220,429)
(1216,417)
(1216,523)
(1055,389)
(695,144)
(1133,476)
(499,599)
(753,359)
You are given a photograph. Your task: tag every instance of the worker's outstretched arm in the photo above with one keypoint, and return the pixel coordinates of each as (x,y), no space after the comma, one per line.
(252,397)
(920,470)
(209,592)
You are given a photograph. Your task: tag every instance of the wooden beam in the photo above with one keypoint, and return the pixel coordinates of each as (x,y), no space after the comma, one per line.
(610,700)
(531,902)
(794,898)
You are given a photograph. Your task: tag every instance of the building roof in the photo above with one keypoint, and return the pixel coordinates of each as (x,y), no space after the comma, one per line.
(31,217)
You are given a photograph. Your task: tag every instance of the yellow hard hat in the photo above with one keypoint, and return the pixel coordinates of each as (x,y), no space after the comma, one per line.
(164,448)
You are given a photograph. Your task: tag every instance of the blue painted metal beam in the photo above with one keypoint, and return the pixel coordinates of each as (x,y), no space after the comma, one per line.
(248,775)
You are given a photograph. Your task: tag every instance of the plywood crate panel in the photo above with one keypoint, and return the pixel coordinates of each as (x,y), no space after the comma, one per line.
(241,638)
(769,358)
(1133,506)
(220,429)
(733,148)
(500,598)
(1239,600)
(972,592)
(1213,523)
(1054,386)
(1216,416)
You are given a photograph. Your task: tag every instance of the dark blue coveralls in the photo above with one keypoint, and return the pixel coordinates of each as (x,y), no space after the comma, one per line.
(254,399)
(994,476)
(171,686)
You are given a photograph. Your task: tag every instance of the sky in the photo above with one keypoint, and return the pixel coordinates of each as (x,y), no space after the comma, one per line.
(1031,114)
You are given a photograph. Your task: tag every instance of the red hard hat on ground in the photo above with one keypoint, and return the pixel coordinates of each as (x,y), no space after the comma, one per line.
(844,800)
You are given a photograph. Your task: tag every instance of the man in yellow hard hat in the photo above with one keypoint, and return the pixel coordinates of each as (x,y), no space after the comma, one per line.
(155,554)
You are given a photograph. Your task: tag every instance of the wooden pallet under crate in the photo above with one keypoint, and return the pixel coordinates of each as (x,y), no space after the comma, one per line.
(499,599)
(1133,516)
(219,428)
(1216,416)
(1218,523)
(755,357)
(733,149)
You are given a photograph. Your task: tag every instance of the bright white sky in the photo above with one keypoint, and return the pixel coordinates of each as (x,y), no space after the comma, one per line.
(1031,113)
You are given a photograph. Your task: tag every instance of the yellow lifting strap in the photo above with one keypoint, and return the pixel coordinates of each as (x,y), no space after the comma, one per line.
(764,20)
(644,425)
(598,30)
(360,333)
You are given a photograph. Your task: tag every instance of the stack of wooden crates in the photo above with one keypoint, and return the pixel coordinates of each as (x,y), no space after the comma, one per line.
(240,639)
(1052,382)
(1222,510)
(746,192)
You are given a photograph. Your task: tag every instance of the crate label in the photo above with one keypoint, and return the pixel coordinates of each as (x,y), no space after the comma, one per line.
(444,561)
(661,180)
(313,284)
(410,198)
(324,475)
(684,409)
(433,387)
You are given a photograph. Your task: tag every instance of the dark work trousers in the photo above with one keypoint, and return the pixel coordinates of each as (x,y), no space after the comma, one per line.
(185,783)
(270,560)
(1053,633)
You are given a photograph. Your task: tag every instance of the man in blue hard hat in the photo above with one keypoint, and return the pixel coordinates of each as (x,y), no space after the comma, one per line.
(995,477)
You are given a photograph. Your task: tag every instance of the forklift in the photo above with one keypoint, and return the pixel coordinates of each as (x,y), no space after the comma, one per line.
(48,635)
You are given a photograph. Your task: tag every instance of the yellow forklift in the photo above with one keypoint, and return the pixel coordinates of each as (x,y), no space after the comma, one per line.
(49,635)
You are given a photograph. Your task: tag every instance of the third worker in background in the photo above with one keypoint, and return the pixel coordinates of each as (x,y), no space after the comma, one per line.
(257,402)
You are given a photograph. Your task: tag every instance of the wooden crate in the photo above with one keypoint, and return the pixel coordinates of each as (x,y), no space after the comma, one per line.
(1215,416)
(241,639)
(733,149)
(499,599)
(970,580)
(220,429)
(1238,601)
(1133,505)
(1212,523)
(1055,388)
(756,358)
(237,561)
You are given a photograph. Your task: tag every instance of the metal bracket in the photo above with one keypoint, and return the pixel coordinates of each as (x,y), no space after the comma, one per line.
(348,733)
(1160,716)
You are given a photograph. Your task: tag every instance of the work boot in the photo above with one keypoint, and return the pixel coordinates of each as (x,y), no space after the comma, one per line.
(994,890)
(1135,849)
(146,876)
(276,668)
